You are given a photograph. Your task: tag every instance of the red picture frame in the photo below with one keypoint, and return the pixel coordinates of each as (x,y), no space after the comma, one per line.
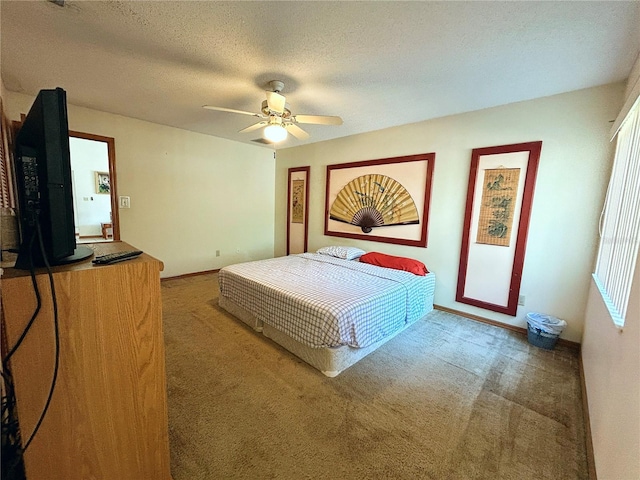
(414,171)
(291,171)
(516,267)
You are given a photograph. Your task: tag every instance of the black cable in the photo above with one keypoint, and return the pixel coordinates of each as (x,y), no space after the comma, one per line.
(32,271)
(57,341)
(12,465)
(9,423)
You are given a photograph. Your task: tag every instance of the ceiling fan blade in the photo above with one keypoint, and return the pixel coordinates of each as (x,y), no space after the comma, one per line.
(318,119)
(253,127)
(231,110)
(297,132)
(275,102)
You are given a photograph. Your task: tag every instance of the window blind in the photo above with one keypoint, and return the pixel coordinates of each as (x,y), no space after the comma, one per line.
(6,188)
(620,226)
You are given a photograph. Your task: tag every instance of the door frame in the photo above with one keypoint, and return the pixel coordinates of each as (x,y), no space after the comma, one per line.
(111,152)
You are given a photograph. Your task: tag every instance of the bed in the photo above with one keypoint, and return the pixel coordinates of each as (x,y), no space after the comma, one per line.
(328,311)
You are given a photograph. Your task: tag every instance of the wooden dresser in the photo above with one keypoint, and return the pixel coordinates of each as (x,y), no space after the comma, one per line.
(108,415)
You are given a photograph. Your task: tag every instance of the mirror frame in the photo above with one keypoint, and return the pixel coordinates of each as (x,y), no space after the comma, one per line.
(111,152)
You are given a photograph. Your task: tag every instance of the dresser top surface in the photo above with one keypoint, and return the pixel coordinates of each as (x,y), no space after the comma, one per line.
(102,248)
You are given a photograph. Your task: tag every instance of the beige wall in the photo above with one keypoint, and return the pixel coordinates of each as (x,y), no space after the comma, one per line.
(611,363)
(191,194)
(574,164)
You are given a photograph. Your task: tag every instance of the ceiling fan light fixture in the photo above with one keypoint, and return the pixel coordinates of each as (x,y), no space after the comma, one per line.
(275,133)
(275,115)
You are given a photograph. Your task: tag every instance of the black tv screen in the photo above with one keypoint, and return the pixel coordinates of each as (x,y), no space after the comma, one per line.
(43,181)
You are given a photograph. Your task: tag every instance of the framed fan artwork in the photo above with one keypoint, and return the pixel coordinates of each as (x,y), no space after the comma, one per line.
(383,200)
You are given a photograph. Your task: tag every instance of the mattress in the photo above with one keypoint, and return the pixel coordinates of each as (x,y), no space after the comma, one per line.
(322,301)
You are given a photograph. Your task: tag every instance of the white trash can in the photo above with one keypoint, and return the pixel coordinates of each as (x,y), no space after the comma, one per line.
(543,330)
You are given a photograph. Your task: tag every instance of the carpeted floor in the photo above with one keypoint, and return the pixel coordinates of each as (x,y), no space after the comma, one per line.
(449,398)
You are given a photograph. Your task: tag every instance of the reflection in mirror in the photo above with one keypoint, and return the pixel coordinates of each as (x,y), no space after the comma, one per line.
(94,189)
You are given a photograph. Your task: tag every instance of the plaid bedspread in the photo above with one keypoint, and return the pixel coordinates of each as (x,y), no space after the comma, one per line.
(323,301)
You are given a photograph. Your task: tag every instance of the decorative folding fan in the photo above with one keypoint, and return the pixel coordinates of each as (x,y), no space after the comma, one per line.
(374,201)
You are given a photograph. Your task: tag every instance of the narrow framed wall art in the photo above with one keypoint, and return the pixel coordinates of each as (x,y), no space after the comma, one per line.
(496,223)
(298,210)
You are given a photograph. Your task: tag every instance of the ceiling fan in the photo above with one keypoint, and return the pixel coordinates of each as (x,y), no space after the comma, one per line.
(277,118)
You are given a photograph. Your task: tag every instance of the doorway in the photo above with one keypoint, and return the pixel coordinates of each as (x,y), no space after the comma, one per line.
(94,187)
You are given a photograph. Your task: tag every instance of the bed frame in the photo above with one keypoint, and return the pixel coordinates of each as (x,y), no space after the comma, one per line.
(330,361)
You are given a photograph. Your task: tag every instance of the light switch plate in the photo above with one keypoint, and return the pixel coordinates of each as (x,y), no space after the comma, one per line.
(125,202)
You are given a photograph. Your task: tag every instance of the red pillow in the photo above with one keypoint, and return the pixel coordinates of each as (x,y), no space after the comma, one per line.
(399,263)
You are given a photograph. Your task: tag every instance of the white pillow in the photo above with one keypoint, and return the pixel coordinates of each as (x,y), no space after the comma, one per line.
(346,253)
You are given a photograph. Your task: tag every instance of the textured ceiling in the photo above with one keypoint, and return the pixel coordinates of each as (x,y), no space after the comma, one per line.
(375,64)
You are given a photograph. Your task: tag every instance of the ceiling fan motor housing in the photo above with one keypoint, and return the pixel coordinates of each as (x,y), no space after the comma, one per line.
(276,86)
(265,110)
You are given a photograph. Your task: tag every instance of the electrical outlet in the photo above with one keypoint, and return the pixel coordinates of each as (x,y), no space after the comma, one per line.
(125,202)
(521,300)
(217,253)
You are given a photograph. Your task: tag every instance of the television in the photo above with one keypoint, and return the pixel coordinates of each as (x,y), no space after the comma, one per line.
(44,188)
